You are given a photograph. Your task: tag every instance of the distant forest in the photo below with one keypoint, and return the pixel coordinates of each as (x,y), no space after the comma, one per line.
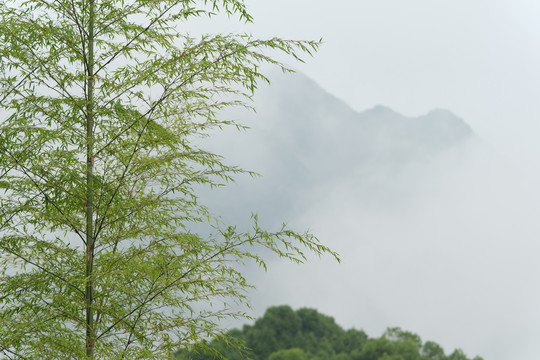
(305,334)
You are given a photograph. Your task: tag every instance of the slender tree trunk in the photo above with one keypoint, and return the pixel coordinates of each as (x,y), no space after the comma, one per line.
(90,240)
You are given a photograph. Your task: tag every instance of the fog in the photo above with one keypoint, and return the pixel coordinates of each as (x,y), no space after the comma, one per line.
(456,263)
(442,243)
(437,239)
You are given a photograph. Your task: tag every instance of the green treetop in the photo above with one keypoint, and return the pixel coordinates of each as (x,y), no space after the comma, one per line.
(305,334)
(100,101)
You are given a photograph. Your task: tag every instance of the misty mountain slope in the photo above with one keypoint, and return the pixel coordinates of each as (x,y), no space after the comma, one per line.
(304,141)
(433,226)
(315,124)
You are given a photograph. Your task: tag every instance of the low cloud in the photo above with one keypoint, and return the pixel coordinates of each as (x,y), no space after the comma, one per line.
(437,231)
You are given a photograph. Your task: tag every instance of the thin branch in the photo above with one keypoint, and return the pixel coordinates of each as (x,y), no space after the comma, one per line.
(42,63)
(40,190)
(25,259)
(122,177)
(146,29)
(174,282)
(19,356)
(134,325)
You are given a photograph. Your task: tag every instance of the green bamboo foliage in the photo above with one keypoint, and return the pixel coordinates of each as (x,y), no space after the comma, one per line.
(100,101)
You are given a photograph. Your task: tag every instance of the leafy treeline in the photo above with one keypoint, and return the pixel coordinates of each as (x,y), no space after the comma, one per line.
(305,334)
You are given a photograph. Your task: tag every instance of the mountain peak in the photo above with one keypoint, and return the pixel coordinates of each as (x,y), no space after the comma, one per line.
(448,123)
(380,110)
(441,113)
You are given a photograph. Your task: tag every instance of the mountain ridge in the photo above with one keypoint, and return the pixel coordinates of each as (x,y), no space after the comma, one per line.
(303,139)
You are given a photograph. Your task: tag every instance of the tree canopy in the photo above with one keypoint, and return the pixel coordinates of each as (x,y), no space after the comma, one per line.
(100,104)
(305,334)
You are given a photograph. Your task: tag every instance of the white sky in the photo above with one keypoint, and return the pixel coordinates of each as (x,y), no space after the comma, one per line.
(478,58)
(481,60)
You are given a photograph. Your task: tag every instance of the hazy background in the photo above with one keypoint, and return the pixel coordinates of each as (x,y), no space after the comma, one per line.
(445,246)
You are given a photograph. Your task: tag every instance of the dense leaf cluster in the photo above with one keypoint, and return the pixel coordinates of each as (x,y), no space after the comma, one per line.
(102,105)
(305,334)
